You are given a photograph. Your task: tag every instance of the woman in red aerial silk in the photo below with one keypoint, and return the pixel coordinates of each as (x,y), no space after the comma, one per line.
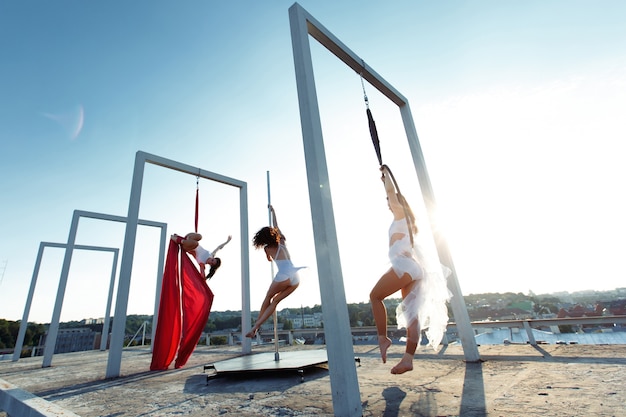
(185,301)
(191,244)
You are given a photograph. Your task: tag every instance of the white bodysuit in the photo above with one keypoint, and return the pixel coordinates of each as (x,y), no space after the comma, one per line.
(401,254)
(286,269)
(202,254)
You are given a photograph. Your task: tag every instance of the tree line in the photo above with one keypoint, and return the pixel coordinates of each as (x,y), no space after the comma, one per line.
(360,315)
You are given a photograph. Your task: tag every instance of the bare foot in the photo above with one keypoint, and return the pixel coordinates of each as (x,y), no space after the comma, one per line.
(402,367)
(251,333)
(383,343)
(405,365)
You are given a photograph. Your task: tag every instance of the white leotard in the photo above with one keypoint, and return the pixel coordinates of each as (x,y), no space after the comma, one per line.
(401,255)
(286,269)
(202,255)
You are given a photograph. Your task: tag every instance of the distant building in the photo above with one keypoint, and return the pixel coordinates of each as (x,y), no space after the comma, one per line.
(72,340)
(93,321)
(306,320)
(298,321)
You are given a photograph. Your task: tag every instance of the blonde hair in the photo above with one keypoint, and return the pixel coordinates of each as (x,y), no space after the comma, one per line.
(408,212)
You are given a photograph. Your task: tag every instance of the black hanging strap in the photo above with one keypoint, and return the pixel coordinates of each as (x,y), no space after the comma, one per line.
(370,122)
(374,135)
(197,202)
(376,142)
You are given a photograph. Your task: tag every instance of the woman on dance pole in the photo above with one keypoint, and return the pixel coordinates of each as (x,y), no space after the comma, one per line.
(423,297)
(286,280)
(191,244)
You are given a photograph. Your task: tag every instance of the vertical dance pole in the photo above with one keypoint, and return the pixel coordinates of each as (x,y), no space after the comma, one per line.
(275,315)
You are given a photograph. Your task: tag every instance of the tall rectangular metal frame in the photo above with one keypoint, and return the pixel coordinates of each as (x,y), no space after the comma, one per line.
(346,396)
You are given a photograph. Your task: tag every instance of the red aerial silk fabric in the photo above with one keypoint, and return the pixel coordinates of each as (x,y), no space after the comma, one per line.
(197,301)
(176,318)
(169,324)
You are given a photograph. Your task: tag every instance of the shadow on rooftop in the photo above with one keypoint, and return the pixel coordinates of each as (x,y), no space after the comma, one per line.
(473,397)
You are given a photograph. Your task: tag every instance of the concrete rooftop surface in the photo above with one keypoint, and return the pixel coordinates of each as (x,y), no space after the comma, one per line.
(511,380)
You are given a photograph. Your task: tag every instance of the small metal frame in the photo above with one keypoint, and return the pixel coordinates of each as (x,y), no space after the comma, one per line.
(67,260)
(19,343)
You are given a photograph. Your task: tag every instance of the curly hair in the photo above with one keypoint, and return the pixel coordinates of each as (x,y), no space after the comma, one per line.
(267,236)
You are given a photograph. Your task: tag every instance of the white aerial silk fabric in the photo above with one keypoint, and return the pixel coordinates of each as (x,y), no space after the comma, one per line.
(427,302)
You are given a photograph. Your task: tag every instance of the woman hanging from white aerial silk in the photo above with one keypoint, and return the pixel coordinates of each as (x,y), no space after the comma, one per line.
(419,277)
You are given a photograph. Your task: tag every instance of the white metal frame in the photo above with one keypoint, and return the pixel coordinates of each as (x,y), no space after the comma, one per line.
(19,343)
(67,260)
(344,383)
(121,304)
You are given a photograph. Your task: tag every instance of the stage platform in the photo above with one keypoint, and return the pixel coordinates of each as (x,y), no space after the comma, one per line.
(296,361)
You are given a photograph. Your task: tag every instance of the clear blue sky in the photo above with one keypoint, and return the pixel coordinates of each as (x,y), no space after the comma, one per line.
(518,106)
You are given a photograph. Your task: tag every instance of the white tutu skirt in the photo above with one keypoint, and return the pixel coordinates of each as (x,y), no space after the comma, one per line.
(426,303)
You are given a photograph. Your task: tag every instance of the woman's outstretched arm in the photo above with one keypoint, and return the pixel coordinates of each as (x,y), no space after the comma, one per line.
(221,246)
